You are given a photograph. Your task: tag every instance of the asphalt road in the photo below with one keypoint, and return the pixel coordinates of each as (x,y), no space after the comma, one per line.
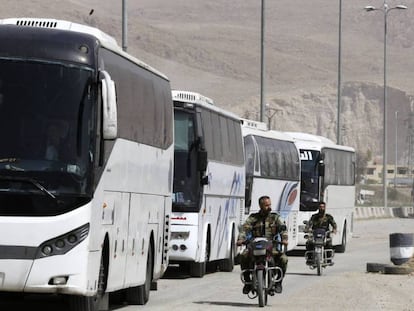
(222,291)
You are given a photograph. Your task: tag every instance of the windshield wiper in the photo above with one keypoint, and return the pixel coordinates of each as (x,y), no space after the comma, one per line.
(11,167)
(28,180)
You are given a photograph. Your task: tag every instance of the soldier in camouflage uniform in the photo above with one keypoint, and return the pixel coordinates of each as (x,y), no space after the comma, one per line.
(320,220)
(263,224)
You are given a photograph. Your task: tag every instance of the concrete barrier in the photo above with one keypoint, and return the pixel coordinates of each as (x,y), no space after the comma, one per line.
(364,212)
(401,247)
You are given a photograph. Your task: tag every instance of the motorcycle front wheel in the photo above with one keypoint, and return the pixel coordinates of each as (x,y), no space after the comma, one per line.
(261,291)
(318,263)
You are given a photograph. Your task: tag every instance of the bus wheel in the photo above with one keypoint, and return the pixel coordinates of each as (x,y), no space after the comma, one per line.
(198,269)
(341,248)
(139,295)
(227,265)
(94,303)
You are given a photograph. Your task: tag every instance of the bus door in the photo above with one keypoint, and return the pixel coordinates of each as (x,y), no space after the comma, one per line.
(187,155)
(311,181)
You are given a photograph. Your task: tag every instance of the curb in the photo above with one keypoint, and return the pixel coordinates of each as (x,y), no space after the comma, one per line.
(364,212)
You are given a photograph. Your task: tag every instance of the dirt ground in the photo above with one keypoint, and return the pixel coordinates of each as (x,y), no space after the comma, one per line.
(358,291)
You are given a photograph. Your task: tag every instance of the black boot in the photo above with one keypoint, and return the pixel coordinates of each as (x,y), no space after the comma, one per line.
(247,287)
(278,287)
(309,259)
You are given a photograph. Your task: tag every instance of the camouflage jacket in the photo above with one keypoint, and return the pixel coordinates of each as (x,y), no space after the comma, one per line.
(259,225)
(317,221)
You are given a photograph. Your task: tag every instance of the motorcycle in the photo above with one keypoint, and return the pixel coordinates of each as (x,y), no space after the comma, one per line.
(319,258)
(264,274)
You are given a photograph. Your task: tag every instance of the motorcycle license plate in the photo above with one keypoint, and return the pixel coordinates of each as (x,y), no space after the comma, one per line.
(318,250)
(259,252)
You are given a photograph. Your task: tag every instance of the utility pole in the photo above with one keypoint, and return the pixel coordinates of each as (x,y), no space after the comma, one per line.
(262,82)
(124,26)
(338,117)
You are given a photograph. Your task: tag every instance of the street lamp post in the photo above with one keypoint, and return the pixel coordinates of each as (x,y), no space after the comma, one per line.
(385,9)
(396,149)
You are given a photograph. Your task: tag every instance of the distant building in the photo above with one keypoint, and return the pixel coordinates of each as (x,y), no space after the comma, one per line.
(404,176)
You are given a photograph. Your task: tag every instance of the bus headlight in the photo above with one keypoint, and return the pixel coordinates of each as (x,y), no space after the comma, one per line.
(47,250)
(62,244)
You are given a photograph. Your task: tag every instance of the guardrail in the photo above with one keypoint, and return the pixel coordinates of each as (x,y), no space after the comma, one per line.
(364,212)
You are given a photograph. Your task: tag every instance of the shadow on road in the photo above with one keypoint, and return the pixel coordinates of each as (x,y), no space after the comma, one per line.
(301,273)
(181,272)
(296,253)
(20,302)
(176,272)
(227,303)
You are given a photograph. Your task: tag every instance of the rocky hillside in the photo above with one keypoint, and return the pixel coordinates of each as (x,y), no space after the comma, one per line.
(214,48)
(362,116)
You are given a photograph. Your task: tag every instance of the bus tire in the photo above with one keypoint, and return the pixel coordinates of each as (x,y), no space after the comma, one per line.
(227,265)
(342,247)
(198,269)
(139,295)
(375,267)
(93,303)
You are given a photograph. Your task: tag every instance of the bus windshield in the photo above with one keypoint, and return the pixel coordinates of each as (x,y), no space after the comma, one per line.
(309,198)
(186,177)
(46,130)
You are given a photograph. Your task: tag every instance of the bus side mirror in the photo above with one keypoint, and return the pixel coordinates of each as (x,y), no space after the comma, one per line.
(109,111)
(204,180)
(202,160)
(321,168)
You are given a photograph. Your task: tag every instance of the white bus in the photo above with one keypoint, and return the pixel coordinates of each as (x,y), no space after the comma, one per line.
(272,169)
(89,216)
(208,186)
(327,174)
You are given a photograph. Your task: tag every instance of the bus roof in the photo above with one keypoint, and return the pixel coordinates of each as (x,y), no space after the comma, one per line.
(200,100)
(251,127)
(105,40)
(191,97)
(315,142)
(254,124)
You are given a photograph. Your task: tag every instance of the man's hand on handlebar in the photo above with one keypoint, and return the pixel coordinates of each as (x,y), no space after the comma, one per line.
(240,242)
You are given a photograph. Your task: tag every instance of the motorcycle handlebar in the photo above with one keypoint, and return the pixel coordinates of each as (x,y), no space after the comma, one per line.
(247,241)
